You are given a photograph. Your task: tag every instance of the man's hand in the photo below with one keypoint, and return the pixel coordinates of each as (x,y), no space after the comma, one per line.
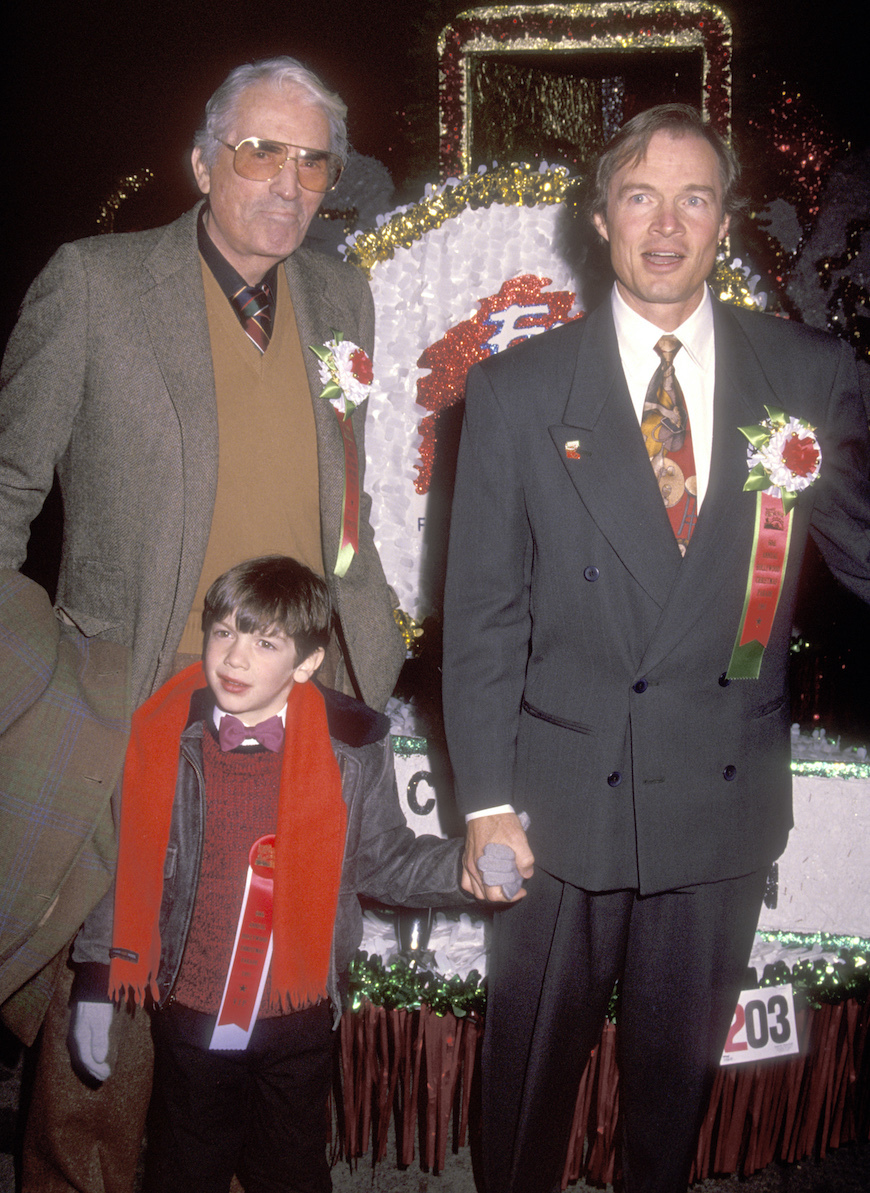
(501,829)
(89,1037)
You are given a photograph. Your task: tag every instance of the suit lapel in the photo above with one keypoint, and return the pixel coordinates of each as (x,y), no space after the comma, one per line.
(723,536)
(613,475)
(317,320)
(174,308)
(173,305)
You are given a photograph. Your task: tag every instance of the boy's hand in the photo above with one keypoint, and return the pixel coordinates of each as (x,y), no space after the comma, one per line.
(497,858)
(89,1037)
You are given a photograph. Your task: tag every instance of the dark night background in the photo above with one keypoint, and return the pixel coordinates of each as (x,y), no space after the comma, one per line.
(100,90)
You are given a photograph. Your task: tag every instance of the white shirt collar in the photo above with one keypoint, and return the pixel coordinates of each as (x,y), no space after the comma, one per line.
(637,337)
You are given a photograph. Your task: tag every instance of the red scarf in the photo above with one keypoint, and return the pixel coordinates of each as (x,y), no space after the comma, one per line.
(309,844)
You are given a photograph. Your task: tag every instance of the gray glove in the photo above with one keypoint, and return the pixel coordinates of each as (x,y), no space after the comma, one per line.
(89,1037)
(498,865)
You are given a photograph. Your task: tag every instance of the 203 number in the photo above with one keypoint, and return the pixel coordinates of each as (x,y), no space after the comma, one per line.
(763,1022)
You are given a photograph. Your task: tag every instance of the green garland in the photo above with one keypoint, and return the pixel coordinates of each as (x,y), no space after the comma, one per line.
(404,985)
(822,980)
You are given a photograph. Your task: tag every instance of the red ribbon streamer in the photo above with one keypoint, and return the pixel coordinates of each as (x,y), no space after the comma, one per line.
(768,564)
(349,544)
(241,996)
(758,1113)
(763,587)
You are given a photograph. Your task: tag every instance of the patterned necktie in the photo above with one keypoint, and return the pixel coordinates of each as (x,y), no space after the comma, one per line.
(269,733)
(668,439)
(254,307)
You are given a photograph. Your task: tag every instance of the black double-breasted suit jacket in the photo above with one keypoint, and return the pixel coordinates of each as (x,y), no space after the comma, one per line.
(585,659)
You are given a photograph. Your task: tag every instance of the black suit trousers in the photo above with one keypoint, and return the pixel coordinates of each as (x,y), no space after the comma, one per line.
(680,958)
(260,1113)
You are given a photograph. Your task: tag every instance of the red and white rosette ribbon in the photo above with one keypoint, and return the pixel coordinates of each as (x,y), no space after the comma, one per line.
(252,953)
(784,459)
(346,373)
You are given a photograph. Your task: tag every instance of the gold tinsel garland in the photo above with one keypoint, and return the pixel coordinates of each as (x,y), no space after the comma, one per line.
(518,185)
(731,282)
(126,188)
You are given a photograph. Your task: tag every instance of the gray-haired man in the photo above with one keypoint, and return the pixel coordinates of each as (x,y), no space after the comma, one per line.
(168,377)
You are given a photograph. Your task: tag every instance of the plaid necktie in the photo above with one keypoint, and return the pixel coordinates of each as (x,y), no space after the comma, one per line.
(254,307)
(668,438)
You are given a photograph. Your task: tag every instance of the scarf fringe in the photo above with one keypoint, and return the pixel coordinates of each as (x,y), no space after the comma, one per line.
(287,1001)
(122,991)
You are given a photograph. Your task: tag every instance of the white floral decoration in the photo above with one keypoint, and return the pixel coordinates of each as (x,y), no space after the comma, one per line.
(346,372)
(784,456)
(770,457)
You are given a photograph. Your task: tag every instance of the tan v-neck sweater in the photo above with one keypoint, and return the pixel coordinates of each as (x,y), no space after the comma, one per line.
(268,498)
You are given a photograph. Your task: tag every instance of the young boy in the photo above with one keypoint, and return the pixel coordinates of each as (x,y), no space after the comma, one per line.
(239,871)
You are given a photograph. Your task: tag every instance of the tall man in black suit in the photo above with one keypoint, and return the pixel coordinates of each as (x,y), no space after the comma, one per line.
(596,588)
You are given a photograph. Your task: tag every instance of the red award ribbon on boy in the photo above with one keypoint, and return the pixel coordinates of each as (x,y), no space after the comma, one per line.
(252,952)
(346,373)
(784,459)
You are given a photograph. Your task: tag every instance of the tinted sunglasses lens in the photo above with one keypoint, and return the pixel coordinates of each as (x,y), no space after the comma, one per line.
(317,171)
(259,160)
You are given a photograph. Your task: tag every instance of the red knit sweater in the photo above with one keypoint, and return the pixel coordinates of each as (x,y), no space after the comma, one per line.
(241,805)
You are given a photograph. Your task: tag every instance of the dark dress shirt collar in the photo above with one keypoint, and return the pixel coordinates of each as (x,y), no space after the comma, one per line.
(228,278)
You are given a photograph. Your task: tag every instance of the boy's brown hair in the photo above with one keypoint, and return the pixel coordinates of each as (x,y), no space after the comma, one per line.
(272,592)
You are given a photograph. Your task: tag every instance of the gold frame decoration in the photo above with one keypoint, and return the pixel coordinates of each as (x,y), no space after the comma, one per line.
(480,37)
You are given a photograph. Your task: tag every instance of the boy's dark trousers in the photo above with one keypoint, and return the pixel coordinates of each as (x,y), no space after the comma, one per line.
(260,1113)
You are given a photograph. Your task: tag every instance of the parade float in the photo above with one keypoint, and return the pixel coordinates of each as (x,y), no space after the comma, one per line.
(494,252)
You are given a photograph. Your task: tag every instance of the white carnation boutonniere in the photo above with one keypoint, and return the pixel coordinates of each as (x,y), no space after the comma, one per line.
(346,372)
(784,457)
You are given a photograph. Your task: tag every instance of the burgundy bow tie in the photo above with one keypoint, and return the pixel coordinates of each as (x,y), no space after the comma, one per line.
(269,733)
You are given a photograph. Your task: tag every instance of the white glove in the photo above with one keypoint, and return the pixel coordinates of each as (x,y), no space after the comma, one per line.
(90,1037)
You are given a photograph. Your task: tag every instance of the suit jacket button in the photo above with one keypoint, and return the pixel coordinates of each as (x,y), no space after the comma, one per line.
(729,773)
(614,778)
(640,687)
(591,574)
(724,681)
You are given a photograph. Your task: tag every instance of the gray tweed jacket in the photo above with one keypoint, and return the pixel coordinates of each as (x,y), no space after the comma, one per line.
(108,379)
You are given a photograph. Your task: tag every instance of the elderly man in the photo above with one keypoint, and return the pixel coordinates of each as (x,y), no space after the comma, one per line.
(172,378)
(616,661)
